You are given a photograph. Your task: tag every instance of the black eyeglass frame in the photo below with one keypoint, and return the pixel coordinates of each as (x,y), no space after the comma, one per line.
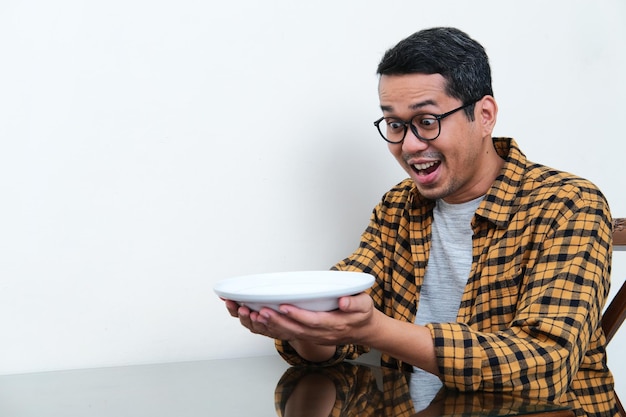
(438,117)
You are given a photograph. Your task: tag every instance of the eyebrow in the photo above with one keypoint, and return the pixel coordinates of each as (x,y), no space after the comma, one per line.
(415,106)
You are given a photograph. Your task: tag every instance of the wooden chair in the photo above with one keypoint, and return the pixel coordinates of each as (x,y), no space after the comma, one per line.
(615,313)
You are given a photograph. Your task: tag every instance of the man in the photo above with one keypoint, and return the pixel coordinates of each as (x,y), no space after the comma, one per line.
(491,271)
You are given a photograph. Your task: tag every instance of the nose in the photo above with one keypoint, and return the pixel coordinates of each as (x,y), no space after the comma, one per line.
(413,144)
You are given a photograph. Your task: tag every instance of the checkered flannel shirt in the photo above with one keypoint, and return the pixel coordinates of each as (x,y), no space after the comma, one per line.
(357,391)
(529,318)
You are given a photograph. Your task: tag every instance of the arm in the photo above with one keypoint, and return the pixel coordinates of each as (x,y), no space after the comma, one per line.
(321,337)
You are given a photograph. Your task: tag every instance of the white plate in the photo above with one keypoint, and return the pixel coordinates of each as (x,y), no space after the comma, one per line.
(310,290)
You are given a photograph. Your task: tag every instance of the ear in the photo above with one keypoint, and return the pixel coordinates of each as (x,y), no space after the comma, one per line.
(486,114)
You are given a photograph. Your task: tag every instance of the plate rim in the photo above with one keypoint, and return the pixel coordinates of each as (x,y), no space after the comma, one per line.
(359,286)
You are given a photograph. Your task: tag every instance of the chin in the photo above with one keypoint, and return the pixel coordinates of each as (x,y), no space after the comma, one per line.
(430,193)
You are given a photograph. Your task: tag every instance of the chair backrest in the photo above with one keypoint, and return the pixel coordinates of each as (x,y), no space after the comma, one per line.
(615,313)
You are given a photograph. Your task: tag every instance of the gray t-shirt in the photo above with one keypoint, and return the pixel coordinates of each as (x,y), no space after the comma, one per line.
(448,269)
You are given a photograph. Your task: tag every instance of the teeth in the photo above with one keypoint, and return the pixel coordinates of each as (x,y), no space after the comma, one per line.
(420,167)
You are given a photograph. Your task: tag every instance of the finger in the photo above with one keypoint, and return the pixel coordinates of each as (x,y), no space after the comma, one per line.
(244,314)
(360,303)
(317,327)
(232,307)
(279,326)
(257,324)
(299,317)
(270,323)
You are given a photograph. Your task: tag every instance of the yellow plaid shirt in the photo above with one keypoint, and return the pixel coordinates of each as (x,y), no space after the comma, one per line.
(358,391)
(529,318)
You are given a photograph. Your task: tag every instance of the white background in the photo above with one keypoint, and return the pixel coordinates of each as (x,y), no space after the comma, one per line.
(151,148)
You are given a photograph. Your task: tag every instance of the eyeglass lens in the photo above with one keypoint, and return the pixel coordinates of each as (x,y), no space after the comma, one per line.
(424,126)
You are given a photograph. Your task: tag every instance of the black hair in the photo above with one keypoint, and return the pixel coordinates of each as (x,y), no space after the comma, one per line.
(461,61)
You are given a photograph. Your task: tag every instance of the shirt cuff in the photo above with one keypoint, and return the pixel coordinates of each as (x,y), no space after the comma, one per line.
(458,356)
(342,352)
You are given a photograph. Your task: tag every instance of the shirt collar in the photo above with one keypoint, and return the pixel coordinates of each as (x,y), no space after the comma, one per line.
(498,205)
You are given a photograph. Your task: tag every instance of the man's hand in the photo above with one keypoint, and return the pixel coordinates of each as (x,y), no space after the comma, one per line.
(314,335)
(247,318)
(350,323)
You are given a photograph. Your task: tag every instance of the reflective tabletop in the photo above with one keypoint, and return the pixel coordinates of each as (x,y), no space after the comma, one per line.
(260,386)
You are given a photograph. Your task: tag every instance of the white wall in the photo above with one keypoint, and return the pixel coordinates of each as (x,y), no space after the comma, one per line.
(151,148)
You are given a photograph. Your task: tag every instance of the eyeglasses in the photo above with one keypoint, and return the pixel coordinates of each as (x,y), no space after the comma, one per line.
(424,126)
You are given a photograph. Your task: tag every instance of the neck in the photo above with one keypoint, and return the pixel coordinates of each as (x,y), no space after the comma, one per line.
(492,165)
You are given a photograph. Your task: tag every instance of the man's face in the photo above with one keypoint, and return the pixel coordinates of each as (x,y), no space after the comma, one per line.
(458,166)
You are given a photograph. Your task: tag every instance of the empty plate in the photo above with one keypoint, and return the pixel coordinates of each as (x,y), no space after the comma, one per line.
(310,290)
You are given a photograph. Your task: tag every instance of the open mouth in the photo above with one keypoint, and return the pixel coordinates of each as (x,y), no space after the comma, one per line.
(426,168)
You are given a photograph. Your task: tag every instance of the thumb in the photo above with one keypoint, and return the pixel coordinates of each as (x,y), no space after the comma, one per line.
(355,303)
